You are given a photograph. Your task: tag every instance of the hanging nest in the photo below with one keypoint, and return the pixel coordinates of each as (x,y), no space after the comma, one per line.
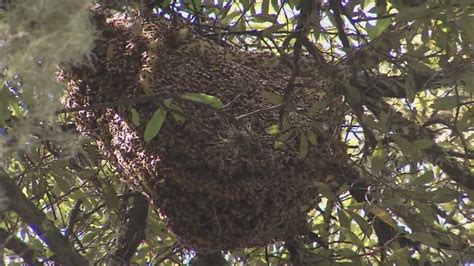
(222,178)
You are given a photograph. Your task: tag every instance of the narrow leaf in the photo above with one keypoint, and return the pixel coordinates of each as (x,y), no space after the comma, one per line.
(273,98)
(447,102)
(110,196)
(383,215)
(380,27)
(135,116)
(272,130)
(176,111)
(204,99)
(353,94)
(399,256)
(426,177)
(316,107)
(412,13)
(352,237)
(325,190)
(363,224)
(422,144)
(303,146)
(154,125)
(343,219)
(424,238)
(378,158)
(312,138)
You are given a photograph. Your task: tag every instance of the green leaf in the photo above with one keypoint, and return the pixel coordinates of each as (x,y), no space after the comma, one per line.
(348,234)
(412,148)
(272,130)
(282,138)
(353,94)
(384,121)
(316,107)
(197,4)
(422,144)
(419,66)
(110,196)
(311,136)
(444,195)
(261,18)
(273,28)
(265,6)
(271,97)
(412,13)
(410,86)
(135,116)
(61,181)
(399,256)
(424,238)
(380,27)
(154,125)
(383,215)
(363,224)
(346,252)
(466,22)
(204,99)
(4,112)
(426,177)
(378,158)
(404,144)
(343,219)
(426,212)
(349,254)
(176,111)
(447,102)
(275,4)
(369,121)
(357,205)
(325,190)
(15,108)
(303,146)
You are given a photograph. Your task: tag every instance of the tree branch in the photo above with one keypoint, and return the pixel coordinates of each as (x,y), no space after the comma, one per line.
(385,233)
(18,247)
(212,259)
(435,154)
(336,8)
(12,198)
(132,230)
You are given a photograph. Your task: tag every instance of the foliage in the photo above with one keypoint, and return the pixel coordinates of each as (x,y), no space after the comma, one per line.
(404,67)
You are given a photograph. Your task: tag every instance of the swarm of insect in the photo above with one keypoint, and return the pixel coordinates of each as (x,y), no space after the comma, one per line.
(224,176)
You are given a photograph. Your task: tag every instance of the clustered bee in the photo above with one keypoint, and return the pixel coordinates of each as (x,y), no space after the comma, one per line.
(217,178)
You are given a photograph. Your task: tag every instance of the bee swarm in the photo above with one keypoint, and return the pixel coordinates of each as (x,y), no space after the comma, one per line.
(213,174)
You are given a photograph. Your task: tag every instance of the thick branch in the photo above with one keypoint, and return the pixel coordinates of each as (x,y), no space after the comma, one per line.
(212,259)
(132,230)
(15,201)
(385,233)
(18,247)
(435,154)
(336,8)
(395,86)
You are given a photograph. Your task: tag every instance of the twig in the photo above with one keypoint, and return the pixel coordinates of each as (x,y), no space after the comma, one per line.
(335,6)
(37,220)
(21,249)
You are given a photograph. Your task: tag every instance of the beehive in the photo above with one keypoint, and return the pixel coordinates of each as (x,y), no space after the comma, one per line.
(217,177)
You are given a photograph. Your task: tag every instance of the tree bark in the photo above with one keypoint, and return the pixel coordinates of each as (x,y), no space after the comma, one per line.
(15,201)
(14,244)
(132,230)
